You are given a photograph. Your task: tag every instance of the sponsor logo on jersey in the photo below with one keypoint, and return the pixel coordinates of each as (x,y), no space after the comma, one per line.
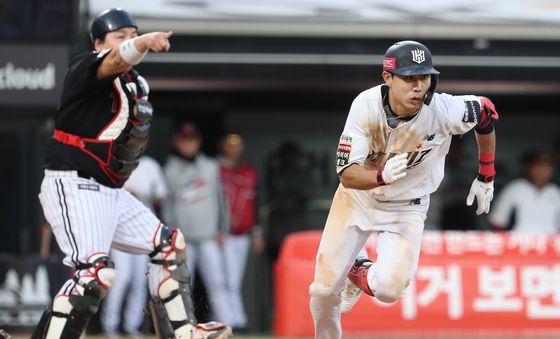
(346,139)
(429,137)
(343,154)
(418,56)
(389,63)
(413,202)
(88,187)
(472,111)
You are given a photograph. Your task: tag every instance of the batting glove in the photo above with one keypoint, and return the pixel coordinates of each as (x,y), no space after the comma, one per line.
(394,169)
(484,192)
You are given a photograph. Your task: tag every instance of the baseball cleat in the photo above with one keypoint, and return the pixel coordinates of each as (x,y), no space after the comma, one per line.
(350,296)
(212,330)
(356,283)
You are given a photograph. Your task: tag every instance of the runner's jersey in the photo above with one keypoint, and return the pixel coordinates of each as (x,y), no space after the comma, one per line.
(90,108)
(367,140)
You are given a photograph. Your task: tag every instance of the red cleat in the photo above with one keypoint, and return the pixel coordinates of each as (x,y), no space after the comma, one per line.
(356,283)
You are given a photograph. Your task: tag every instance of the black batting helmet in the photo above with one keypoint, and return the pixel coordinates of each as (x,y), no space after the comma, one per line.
(411,58)
(110,20)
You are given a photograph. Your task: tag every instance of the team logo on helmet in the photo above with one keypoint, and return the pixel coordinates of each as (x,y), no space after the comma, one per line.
(390,63)
(418,56)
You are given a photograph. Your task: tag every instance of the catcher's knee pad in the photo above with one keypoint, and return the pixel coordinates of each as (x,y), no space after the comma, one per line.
(70,313)
(172,308)
(169,248)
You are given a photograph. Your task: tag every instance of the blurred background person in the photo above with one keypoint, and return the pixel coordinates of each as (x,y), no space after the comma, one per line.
(556,160)
(289,189)
(240,184)
(196,204)
(147,183)
(530,204)
(448,203)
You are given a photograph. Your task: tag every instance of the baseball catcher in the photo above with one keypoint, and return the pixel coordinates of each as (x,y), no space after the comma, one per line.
(101,130)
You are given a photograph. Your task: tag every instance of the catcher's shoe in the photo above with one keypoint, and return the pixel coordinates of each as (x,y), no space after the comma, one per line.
(356,283)
(212,330)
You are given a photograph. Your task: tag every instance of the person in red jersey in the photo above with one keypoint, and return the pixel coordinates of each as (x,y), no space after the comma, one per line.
(240,184)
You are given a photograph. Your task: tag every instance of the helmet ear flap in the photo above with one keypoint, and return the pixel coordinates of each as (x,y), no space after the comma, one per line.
(431,90)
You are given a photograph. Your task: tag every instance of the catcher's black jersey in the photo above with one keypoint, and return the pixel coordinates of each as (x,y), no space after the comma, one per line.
(85,105)
(89,108)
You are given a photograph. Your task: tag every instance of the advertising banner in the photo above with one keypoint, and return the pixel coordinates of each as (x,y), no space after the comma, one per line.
(32,75)
(27,286)
(466,283)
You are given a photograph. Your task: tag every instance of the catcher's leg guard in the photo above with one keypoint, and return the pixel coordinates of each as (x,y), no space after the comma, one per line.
(172,308)
(70,313)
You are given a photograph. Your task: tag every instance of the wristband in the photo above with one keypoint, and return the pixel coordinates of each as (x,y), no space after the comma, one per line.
(130,53)
(486,169)
(380,181)
(485,178)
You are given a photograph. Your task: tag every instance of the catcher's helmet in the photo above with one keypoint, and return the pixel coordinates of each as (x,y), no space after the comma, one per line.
(411,58)
(110,20)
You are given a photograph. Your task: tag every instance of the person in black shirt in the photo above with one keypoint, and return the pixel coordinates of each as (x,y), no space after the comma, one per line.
(101,130)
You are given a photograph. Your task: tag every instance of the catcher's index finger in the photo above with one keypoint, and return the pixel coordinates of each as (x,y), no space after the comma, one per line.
(169,34)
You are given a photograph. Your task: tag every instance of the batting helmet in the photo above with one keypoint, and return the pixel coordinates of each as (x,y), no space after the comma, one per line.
(411,58)
(110,20)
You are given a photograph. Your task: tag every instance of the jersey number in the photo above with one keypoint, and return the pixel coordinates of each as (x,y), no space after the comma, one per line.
(415,158)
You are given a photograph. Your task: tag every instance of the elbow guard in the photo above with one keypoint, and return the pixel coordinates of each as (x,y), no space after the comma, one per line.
(488,114)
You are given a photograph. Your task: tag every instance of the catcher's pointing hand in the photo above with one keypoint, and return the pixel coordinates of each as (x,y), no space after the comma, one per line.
(484,192)
(157,41)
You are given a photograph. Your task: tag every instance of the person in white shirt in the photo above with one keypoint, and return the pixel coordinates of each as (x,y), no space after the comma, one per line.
(198,206)
(533,201)
(390,159)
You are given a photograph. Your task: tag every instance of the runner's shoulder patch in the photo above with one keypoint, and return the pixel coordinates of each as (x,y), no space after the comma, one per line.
(472,112)
(343,154)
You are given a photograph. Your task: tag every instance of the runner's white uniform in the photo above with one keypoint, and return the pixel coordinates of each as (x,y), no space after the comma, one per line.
(395,212)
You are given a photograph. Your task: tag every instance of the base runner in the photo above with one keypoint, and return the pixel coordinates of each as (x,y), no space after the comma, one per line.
(390,159)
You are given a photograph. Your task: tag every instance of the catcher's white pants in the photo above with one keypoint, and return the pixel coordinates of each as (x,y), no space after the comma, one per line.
(351,221)
(208,257)
(236,249)
(87,217)
(131,284)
